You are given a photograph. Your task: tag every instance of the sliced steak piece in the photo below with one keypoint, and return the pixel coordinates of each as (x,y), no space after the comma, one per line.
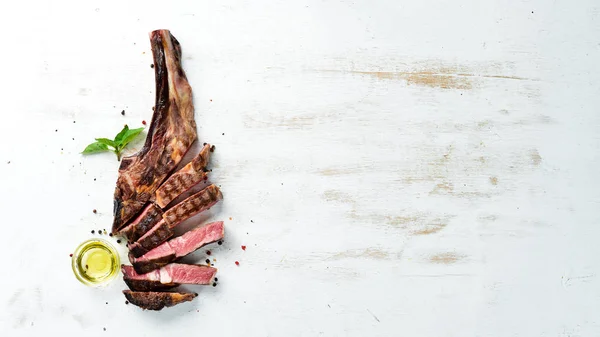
(149,217)
(145,282)
(171,133)
(193,205)
(168,276)
(157,235)
(178,247)
(150,300)
(184,179)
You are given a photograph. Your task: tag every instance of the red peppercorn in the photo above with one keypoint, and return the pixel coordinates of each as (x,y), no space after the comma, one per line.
(243,247)
(144,122)
(70,255)
(208,252)
(237,263)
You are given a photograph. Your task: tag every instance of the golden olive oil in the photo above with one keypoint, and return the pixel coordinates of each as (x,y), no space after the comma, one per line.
(95,262)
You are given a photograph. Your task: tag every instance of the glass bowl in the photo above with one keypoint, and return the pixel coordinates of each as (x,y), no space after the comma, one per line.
(95,262)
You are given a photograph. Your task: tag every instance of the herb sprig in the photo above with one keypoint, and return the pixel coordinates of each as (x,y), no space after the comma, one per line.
(117,145)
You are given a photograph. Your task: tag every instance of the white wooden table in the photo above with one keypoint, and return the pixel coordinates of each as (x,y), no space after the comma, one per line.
(395,168)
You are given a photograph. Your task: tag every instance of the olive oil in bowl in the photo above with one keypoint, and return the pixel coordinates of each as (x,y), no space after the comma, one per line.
(95,262)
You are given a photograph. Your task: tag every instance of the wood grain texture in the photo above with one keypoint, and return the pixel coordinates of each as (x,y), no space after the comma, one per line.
(420,168)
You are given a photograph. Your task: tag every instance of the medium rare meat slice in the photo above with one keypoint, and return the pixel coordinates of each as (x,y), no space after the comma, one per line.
(171,133)
(157,235)
(191,206)
(168,276)
(184,179)
(155,300)
(178,247)
(149,217)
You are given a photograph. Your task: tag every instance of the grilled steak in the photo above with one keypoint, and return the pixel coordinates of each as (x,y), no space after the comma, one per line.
(156,301)
(157,235)
(168,276)
(184,179)
(178,247)
(171,133)
(191,206)
(149,217)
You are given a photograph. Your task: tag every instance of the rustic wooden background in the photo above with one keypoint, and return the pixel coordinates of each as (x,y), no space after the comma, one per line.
(395,168)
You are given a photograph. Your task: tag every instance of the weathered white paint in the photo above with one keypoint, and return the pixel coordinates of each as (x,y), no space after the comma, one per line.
(412,168)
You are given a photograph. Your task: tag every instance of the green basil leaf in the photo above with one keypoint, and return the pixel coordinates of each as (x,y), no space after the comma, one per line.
(106,141)
(95,148)
(119,136)
(129,136)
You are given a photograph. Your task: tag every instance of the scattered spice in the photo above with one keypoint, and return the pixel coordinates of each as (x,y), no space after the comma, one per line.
(220,242)
(144,122)
(223,133)
(106,302)
(216,279)
(151,65)
(56,130)
(93,231)
(230,218)
(251,221)
(152,108)
(70,255)
(123,112)
(110,234)
(73,122)
(94,179)
(237,263)
(212,148)
(207,261)
(99,231)
(243,247)
(86,266)
(211,99)
(126,302)
(118,241)
(95,211)
(205,178)
(208,252)
(104,329)
(214,284)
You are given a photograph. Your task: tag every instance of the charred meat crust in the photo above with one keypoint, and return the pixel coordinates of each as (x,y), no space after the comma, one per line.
(159,235)
(146,266)
(193,205)
(184,179)
(157,300)
(147,285)
(136,230)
